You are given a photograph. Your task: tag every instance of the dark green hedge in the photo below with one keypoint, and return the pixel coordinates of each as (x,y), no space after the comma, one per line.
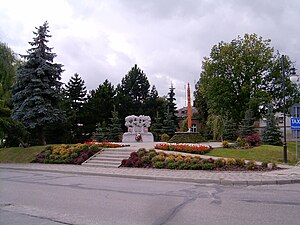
(187,138)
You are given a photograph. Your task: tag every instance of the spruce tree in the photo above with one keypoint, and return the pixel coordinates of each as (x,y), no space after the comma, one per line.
(169,126)
(36,93)
(247,127)
(271,134)
(75,94)
(157,127)
(171,104)
(114,127)
(101,133)
(231,131)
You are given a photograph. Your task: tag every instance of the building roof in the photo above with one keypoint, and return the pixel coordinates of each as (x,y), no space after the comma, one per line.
(182,112)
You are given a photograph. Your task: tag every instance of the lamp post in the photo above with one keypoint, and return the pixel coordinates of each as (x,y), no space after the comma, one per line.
(284,122)
(294,79)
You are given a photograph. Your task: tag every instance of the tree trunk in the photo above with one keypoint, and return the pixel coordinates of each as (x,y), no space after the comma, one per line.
(42,136)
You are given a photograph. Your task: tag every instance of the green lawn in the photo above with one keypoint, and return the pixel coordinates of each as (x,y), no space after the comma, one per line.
(263,153)
(19,155)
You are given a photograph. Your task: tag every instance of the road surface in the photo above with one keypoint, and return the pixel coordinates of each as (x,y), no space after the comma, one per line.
(44,198)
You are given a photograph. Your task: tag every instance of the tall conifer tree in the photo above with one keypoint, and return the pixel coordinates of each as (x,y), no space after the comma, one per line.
(36,91)
(75,94)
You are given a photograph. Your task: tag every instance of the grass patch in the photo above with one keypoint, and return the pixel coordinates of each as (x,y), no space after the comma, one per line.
(263,153)
(19,154)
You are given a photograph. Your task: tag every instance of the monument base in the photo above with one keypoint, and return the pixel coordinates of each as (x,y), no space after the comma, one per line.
(130,137)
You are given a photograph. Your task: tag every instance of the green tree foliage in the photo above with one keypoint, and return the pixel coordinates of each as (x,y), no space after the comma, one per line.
(271,134)
(114,127)
(243,74)
(216,125)
(7,75)
(100,103)
(248,127)
(101,133)
(75,95)
(133,93)
(8,64)
(36,93)
(172,104)
(230,130)
(156,127)
(169,125)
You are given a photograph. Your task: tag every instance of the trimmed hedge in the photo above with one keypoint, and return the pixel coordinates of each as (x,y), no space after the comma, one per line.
(187,138)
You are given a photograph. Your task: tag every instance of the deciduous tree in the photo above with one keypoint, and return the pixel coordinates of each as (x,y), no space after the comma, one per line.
(243,74)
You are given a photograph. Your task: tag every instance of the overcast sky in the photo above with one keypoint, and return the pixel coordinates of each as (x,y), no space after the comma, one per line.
(167,39)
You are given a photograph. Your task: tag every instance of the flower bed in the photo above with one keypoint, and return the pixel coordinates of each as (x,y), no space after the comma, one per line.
(72,154)
(189,148)
(160,160)
(105,144)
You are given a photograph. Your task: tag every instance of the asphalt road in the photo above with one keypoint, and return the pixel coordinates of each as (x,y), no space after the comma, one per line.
(44,198)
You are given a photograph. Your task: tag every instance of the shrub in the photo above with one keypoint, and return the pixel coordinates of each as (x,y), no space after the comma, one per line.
(187,138)
(171,165)
(146,159)
(220,163)
(225,144)
(152,154)
(159,165)
(240,162)
(251,165)
(184,166)
(197,166)
(157,158)
(179,157)
(195,160)
(231,162)
(253,139)
(165,137)
(141,152)
(188,159)
(240,142)
(170,160)
(94,148)
(208,166)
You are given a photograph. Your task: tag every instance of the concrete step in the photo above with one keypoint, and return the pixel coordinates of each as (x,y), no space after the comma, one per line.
(101,165)
(113,154)
(109,158)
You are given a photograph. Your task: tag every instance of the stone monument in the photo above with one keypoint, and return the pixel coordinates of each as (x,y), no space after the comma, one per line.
(137,129)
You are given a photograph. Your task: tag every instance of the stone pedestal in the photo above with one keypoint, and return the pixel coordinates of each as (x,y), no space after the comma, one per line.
(130,137)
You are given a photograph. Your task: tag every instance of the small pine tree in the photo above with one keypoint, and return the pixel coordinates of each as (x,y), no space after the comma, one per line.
(101,133)
(169,126)
(157,127)
(114,127)
(247,127)
(230,132)
(271,134)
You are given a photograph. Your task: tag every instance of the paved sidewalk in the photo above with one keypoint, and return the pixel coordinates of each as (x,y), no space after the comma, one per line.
(289,175)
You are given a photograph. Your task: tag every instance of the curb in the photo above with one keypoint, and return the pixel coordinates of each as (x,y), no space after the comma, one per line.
(220,181)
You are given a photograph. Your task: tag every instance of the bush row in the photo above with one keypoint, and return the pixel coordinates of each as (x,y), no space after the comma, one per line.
(67,154)
(187,138)
(160,160)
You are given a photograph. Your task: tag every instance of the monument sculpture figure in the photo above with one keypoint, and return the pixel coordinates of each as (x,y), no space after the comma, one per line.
(137,129)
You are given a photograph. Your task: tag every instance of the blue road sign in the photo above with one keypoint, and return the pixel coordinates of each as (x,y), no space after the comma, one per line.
(295,123)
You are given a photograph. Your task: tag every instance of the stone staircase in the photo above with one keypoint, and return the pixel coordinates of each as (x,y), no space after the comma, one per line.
(110,158)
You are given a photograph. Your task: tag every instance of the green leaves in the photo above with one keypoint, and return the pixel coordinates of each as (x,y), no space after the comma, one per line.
(243,74)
